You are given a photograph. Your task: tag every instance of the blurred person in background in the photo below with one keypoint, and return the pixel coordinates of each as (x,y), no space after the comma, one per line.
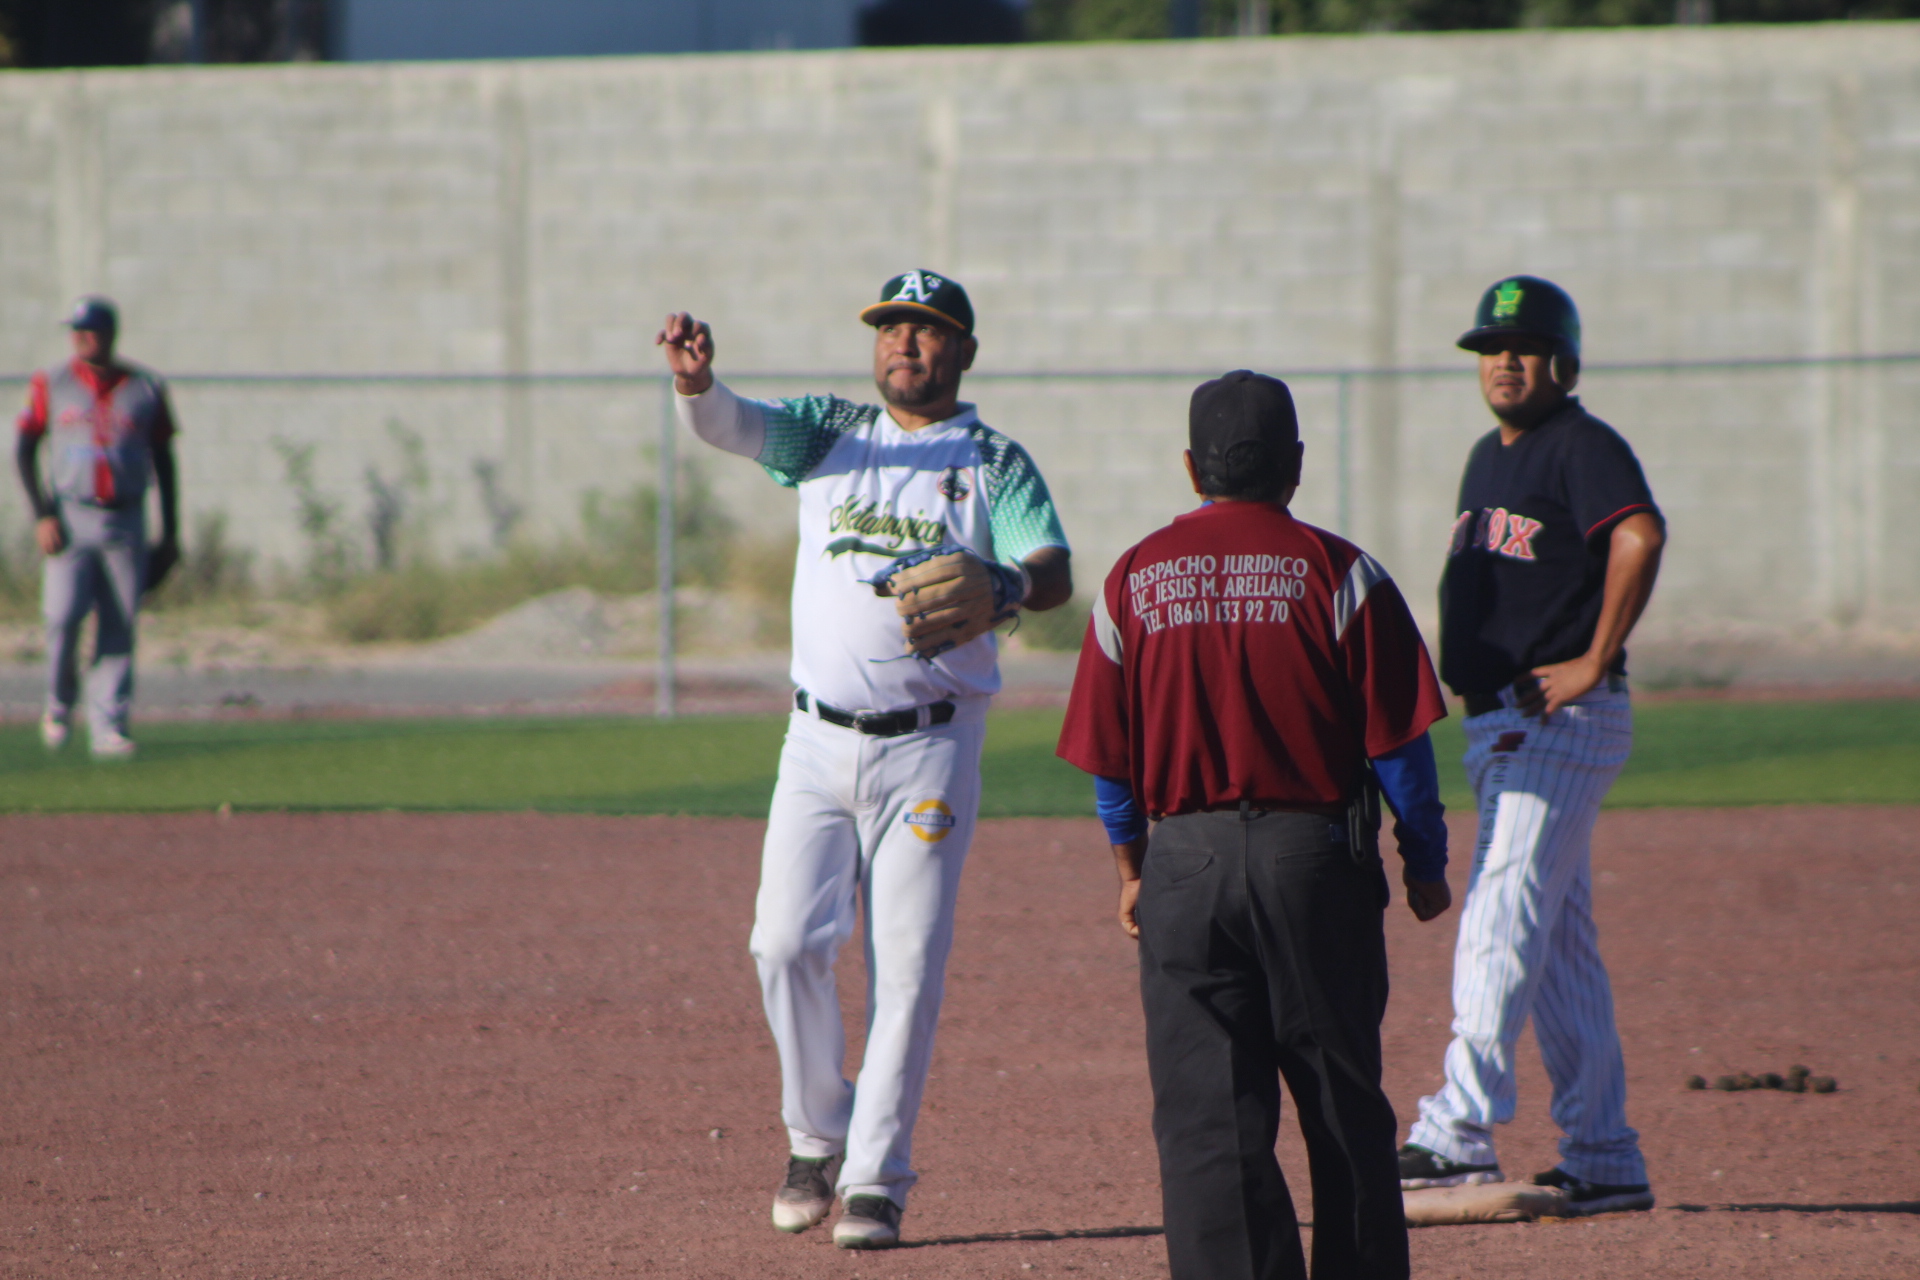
(109,431)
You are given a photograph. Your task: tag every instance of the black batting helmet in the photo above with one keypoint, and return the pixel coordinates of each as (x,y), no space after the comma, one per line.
(1526,305)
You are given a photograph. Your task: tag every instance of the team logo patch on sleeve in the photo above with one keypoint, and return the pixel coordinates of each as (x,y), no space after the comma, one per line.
(931,820)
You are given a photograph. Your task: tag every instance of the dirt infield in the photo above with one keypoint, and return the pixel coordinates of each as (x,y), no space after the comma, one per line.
(400,1046)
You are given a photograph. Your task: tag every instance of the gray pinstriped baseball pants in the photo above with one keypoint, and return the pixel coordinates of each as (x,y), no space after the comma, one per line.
(1528,946)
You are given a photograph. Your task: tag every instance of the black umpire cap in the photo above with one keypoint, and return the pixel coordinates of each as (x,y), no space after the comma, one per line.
(1525,306)
(1242,429)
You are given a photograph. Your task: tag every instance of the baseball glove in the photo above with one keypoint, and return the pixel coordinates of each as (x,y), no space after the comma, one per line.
(161,558)
(947,596)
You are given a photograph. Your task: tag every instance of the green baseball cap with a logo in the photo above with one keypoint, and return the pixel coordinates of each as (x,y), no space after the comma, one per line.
(926,293)
(1525,306)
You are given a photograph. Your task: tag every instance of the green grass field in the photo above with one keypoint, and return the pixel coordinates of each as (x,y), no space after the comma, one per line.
(1699,753)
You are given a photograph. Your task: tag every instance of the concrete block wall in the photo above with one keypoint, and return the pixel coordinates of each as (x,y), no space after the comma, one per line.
(1302,204)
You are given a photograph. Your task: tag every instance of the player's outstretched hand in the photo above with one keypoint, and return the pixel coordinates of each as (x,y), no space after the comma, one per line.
(944,602)
(1427,898)
(689,345)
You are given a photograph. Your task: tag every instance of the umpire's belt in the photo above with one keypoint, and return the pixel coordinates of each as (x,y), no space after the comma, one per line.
(878,724)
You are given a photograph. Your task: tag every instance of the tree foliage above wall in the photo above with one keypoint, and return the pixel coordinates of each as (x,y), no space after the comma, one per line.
(81,33)
(1152,19)
(119,33)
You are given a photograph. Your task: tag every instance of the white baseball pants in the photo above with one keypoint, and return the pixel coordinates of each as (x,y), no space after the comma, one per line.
(98,571)
(1528,946)
(887,821)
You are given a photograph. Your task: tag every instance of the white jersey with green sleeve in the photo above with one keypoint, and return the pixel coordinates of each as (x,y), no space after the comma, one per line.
(870,492)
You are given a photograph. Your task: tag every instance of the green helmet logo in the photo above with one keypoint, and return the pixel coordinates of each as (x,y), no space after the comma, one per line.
(1525,305)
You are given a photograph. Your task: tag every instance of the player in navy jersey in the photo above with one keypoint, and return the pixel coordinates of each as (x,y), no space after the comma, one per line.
(1240,671)
(1556,544)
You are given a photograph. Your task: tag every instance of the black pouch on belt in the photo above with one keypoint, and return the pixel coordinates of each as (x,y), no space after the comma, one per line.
(1363,820)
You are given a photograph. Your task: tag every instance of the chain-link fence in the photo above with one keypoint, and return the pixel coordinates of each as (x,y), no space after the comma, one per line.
(1792,485)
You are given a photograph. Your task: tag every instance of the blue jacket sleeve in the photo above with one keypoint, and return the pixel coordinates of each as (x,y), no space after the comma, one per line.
(1119,811)
(1411,783)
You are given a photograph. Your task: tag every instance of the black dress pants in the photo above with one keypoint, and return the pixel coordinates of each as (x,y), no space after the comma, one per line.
(1263,955)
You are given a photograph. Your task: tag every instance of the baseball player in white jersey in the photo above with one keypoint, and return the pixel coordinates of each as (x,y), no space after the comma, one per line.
(1556,545)
(879,780)
(109,431)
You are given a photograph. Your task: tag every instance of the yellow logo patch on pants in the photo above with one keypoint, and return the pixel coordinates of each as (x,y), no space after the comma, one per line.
(931,820)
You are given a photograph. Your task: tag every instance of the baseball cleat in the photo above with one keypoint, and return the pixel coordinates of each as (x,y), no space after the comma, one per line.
(870,1222)
(106,744)
(53,731)
(807,1194)
(1420,1167)
(1584,1198)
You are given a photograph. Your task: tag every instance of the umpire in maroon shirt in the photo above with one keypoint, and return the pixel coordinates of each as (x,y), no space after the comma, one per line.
(1244,681)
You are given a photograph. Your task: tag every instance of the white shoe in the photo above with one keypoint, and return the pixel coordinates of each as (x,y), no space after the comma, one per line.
(806,1196)
(108,744)
(870,1222)
(53,731)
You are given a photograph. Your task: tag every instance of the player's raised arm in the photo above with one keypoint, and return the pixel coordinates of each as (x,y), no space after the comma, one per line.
(703,402)
(689,345)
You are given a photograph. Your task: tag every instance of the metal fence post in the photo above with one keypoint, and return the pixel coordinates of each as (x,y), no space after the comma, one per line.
(198,46)
(664,574)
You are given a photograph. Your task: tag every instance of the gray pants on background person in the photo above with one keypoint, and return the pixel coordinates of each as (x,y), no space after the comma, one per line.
(98,571)
(1263,957)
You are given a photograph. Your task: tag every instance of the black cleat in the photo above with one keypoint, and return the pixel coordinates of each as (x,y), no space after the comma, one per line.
(1585,1198)
(1420,1167)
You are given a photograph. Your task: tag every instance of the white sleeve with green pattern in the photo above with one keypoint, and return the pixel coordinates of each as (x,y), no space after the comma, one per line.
(1019,508)
(787,437)
(801,431)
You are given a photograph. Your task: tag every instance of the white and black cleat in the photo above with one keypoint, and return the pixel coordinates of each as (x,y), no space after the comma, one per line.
(870,1222)
(1587,1198)
(1421,1168)
(806,1197)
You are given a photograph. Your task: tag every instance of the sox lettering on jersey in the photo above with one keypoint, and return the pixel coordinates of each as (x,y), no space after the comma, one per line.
(1500,531)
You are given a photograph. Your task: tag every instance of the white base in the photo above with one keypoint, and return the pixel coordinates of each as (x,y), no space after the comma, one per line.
(1484,1202)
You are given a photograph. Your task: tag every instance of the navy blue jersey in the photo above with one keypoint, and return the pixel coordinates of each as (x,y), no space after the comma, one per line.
(1527,566)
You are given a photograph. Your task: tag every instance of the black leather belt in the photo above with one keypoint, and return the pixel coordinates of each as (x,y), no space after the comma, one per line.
(1480,704)
(878,724)
(1256,808)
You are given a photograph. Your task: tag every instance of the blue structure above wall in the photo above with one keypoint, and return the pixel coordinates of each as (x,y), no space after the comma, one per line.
(392,30)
